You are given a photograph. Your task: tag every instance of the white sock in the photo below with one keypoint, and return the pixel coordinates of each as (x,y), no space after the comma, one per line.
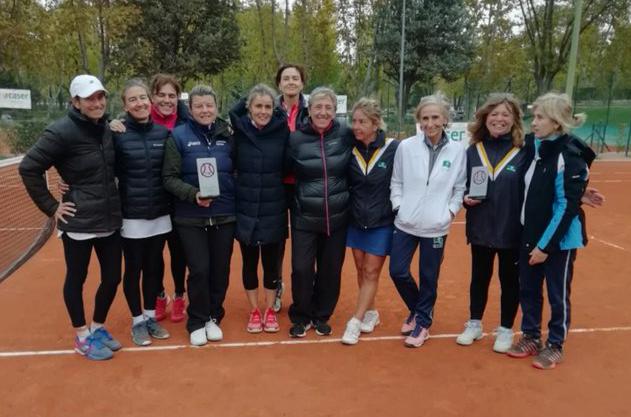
(137,319)
(83,334)
(95,326)
(150,314)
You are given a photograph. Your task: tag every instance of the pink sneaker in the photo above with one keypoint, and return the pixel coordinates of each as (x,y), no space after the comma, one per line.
(270,324)
(177,309)
(161,307)
(255,324)
(418,336)
(408,325)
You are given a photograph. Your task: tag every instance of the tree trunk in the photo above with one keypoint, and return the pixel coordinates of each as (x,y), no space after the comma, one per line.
(262,27)
(80,40)
(276,54)
(103,40)
(286,37)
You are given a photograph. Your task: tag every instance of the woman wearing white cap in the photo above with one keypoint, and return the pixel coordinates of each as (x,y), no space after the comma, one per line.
(80,147)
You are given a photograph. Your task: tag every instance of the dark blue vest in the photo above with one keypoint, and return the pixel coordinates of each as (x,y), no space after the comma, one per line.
(196,141)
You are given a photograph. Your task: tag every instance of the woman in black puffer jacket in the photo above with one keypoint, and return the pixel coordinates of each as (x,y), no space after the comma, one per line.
(80,147)
(319,152)
(146,207)
(261,134)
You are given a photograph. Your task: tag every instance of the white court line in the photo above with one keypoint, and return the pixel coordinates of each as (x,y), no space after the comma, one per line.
(604,242)
(15,354)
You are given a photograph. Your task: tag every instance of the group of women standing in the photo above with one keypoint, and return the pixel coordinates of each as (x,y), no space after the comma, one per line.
(343,187)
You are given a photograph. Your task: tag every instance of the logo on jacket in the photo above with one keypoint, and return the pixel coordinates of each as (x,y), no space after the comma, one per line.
(196,143)
(511,168)
(447,164)
(382,164)
(207,170)
(220,143)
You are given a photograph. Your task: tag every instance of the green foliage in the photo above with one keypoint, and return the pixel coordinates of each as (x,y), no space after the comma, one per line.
(468,48)
(25,134)
(190,39)
(438,41)
(313,41)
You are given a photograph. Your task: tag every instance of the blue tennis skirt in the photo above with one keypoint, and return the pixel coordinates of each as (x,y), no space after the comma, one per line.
(376,241)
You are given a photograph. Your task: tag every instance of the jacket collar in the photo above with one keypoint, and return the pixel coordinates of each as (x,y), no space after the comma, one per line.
(79,118)
(308,128)
(548,147)
(136,125)
(302,102)
(379,141)
(219,127)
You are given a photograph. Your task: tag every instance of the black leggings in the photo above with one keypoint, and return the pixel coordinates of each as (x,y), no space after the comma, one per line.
(178,263)
(481,272)
(77,254)
(143,256)
(269,257)
(290,190)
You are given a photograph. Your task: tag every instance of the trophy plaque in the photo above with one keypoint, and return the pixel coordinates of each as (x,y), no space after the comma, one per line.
(208,176)
(479,183)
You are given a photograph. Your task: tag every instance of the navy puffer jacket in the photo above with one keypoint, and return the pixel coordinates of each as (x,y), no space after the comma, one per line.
(139,156)
(261,209)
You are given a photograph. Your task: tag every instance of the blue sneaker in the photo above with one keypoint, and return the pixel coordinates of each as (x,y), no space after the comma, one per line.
(106,338)
(92,348)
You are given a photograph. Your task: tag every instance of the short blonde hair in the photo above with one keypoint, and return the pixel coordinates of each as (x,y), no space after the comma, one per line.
(371,109)
(558,107)
(477,128)
(436,99)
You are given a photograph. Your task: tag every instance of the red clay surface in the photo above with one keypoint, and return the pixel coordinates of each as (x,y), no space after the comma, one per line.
(376,378)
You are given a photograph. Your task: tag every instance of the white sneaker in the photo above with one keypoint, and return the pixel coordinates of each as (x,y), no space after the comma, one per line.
(472,332)
(371,319)
(503,339)
(198,337)
(352,332)
(213,331)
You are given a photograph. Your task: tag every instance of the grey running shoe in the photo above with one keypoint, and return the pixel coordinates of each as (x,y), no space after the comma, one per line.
(527,346)
(548,357)
(278,297)
(156,330)
(140,334)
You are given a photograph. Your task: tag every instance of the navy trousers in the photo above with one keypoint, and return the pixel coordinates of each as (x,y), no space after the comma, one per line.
(419,299)
(557,271)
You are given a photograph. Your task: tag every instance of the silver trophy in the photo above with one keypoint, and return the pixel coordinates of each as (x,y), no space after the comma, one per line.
(208,176)
(479,183)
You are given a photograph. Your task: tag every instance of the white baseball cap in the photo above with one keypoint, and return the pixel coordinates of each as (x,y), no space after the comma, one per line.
(85,85)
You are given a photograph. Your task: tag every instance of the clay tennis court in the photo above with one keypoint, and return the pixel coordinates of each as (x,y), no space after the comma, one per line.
(273,375)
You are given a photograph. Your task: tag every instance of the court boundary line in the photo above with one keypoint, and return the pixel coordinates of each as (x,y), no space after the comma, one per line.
(211,345)
(606,243)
